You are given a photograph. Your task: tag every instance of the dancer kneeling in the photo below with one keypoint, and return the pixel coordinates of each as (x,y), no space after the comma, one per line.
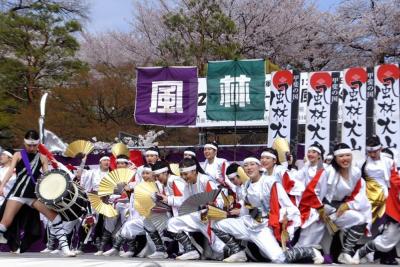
(197,182)
(336,198)
(270,207)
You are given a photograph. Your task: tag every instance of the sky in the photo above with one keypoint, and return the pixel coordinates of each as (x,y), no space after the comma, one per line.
(108,15)
(115,15)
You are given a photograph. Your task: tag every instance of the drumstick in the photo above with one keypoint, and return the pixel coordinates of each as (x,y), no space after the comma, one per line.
(89,234)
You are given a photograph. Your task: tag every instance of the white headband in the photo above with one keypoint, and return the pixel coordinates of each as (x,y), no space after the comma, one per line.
(31,142)
(316,149)
(373,148)
(329,157)
(342,151)
(232,175)
(122,161)
(151,153)
(188,169)
(251,159)
(8,154)
(165,169)
(147,169)
(104,158)
(386,155)
(268,154)
(210,146)
(191,153)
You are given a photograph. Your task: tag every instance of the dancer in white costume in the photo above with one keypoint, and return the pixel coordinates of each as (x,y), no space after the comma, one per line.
(152,155)
(273,207)
(90,180)
(189,152)
(270,162)
(5,163)
(115,224)
(171,189)
(340,194)
(315,156)
(213,166)
(376,172)
(390,237)
(197,182)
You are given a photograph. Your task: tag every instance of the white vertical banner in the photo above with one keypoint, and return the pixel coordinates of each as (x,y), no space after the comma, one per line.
(280,108)
(318,109)
(354,109)
(387,111)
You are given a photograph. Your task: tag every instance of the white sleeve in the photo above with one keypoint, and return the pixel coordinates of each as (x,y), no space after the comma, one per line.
(87,180)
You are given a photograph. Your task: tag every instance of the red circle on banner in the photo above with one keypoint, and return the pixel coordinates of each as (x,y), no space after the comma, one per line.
(388,71)
(319,79)
(356,75)
(282,77)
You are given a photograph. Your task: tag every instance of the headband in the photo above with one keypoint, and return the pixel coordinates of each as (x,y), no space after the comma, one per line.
(122,161)
(373,148)
(342,151)
(147,169)
(316,149)
(31,141)
(210,146)
(104,158)
(232,175)
(268,154)
(151,153)
(251,159)
(188,169)
(191,153)
(165,169)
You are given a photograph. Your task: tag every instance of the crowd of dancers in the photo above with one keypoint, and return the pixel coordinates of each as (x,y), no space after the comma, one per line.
(273,211)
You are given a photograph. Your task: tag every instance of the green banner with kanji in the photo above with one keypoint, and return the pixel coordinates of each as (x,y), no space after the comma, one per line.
(236,90)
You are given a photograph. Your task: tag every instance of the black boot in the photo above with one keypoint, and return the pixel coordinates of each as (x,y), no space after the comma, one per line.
(351,237)
(118,241)
(156,238)
(366,249)
(98,243)
(184,240)
(106,238)
(302,254)
(231,243)
(52,241)
(389,258)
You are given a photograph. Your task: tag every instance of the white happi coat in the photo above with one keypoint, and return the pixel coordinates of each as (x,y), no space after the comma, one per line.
(192,222)
(258,194)
(90,179)
(379,170)
(217,169)
(307,173)
(334,188)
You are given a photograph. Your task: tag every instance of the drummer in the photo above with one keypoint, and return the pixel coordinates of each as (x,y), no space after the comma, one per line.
(29,164)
